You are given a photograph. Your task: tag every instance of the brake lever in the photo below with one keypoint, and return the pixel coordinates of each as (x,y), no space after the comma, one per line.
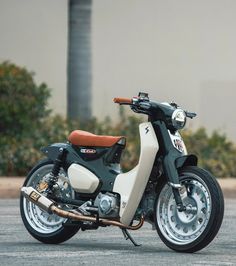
(137,109)
(145,105)
(190,114)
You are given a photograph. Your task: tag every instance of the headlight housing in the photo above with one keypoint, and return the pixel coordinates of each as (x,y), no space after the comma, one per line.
(178,118)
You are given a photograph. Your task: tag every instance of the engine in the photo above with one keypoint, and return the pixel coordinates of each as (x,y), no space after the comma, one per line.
(108,205)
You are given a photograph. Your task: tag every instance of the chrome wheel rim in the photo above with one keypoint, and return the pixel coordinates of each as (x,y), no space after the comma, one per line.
(184,227)
(38,219)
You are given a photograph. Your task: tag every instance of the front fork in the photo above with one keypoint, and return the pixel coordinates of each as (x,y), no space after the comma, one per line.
(172,158)
(180,206)
(173,177)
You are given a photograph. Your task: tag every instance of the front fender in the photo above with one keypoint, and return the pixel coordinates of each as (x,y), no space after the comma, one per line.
(186,160)
(174,161)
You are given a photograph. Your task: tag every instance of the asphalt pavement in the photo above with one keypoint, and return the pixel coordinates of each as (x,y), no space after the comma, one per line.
(106,246)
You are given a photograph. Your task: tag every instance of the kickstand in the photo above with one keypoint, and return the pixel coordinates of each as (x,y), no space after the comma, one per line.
(128,236)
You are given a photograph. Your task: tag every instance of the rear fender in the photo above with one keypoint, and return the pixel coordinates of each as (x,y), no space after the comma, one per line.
(52,151)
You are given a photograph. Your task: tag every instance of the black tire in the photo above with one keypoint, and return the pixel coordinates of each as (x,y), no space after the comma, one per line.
(61,232)
(206,205)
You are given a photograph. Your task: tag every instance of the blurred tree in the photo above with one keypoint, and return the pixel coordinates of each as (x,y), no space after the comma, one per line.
(22,104)
(79,60)
(23,109)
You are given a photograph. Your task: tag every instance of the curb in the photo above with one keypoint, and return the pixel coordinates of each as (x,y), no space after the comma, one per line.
(10,187)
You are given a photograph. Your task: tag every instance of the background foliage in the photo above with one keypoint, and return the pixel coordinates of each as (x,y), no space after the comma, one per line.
(23,104)
(26,125)
(215,152)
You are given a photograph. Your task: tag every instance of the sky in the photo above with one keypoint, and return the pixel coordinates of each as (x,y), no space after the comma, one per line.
(181,51)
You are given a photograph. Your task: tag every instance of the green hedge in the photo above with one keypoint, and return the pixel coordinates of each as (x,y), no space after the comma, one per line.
(17,157)
(215,152)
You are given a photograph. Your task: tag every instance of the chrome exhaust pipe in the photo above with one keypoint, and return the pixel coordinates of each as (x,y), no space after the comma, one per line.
(47,205)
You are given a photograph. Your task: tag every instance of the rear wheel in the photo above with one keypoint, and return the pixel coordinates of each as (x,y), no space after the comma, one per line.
(47,228)
(195,228)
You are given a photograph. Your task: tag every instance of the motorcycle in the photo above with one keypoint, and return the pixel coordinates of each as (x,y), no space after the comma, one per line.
(80,185)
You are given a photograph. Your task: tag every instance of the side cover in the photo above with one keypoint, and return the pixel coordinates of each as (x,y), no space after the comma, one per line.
(131,185)
(81,179)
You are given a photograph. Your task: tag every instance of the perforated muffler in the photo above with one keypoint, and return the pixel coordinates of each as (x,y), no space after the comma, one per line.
(38,199)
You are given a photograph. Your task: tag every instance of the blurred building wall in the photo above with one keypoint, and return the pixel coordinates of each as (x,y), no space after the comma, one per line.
(176,50)
(33,33)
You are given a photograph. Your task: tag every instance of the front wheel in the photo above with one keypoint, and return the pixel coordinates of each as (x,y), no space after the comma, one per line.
(195,228)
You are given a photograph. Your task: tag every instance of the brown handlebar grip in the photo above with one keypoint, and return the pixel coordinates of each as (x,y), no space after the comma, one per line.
(122,100)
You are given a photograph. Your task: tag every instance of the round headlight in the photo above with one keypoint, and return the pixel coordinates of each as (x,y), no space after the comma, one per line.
(178,118)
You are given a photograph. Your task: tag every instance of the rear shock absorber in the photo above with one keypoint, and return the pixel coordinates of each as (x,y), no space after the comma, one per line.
(56,168)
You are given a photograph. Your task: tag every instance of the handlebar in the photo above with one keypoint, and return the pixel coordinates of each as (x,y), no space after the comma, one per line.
(137,104)
(123,100)
(142,104)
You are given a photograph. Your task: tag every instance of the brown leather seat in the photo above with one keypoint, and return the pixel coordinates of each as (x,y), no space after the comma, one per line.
(84,138)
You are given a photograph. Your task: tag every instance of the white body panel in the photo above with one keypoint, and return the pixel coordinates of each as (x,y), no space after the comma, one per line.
(81,179)
(131,185)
